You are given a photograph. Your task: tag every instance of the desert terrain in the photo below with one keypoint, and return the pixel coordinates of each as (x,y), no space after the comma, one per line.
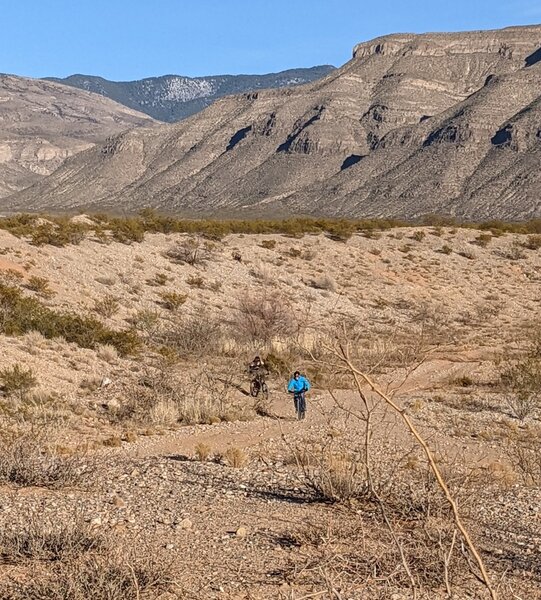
(136,464)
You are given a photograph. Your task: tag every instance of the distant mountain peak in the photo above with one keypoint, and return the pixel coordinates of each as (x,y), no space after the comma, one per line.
(174,97)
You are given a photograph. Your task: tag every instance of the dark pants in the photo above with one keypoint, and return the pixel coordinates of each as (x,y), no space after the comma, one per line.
(300,404)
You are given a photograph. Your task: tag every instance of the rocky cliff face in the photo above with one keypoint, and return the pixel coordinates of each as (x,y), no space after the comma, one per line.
(411,125)
(172,97)
(44,123)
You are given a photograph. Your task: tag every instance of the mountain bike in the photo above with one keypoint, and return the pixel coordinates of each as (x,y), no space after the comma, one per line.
(258,386)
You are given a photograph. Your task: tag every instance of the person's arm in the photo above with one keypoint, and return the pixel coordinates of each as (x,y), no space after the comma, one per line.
(291,386)
(306,384)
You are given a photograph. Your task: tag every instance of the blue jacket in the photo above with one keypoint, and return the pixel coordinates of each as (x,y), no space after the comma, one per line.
(296,386)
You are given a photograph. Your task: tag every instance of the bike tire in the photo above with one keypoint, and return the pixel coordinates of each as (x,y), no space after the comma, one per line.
(265,391)
(254,389)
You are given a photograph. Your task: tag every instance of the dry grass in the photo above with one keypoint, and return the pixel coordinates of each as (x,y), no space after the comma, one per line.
(262,317)
(81,564)
(202,451)
(28,461)
(45,539)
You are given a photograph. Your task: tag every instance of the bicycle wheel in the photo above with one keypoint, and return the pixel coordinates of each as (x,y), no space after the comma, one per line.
(254,388)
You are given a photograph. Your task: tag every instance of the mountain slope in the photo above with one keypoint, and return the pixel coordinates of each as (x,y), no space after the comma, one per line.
(172,97)
(412,124)
(43,123)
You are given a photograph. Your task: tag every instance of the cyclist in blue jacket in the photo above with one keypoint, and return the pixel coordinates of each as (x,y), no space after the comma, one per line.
(298,386)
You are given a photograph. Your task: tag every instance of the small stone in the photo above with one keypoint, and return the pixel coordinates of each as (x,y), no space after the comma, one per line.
(119,502)
(169,546)
(241,532)
(96,521)
(185,524)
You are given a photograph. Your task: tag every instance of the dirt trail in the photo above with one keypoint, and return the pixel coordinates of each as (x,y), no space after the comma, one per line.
(258,435)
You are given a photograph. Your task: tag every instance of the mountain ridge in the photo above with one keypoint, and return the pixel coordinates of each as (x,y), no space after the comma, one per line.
(170,98)
(43,123)
(412,124)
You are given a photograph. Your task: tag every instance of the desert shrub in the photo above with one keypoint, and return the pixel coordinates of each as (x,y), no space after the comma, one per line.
(445,249)
(28,461)
(127,230)
(147,322)
(196,281)
(532,242)
(340,232)
(235,457)
(40,285)
(514,252)
(159,279)
(107,307)
(483,240)
(59,234)
(418,235)
(191,251)
(521,382)
(268,244)
(260,318)
(172,300)
(202,451)
(17,380)
(280,364)
(20,314)
(329,472)
(525,458)
(48,539)
(165,397)
(11,277)
(198,334)
(107,575)
(107,352)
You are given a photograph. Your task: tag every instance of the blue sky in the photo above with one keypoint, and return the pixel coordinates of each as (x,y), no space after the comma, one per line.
(123,40)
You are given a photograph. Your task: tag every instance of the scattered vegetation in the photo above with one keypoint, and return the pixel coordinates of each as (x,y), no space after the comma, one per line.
(28,460)
(172,300)
(40,285)
(107,307)
(17,380)
(262,317)
(20,314)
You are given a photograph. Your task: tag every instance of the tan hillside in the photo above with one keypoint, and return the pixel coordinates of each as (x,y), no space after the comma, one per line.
(139,462)
(43,123)
(413,124)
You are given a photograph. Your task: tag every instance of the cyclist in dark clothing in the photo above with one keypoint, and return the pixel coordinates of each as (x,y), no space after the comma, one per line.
(258,371)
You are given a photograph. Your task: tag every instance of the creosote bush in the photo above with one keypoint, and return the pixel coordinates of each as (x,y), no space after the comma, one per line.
(107,306)
(20,314)
(191,251)
(17,380)
(40,285)
(60,231)
(172,300)
(262,317)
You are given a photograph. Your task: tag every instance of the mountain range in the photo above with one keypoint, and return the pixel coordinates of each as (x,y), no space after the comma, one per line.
(43,123)
(173,97)
(412,124)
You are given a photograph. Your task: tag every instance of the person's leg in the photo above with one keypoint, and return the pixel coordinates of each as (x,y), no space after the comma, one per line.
(296,403)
